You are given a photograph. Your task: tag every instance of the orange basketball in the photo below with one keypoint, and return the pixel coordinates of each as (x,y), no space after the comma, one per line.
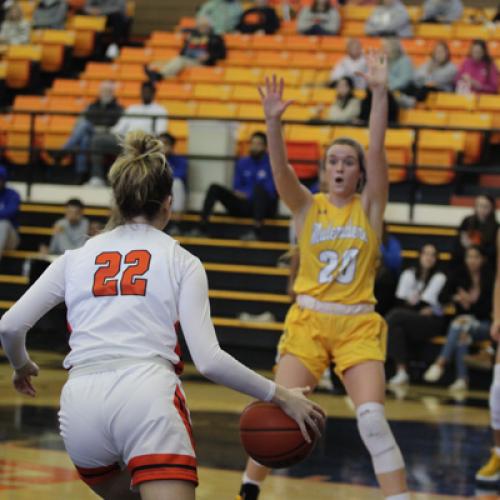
(271,437)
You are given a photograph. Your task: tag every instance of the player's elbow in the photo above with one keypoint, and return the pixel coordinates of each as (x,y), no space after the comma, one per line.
(208,366)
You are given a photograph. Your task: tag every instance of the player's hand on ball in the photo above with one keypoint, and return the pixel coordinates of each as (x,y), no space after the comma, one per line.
(304,411)
(272,98)
(22,378)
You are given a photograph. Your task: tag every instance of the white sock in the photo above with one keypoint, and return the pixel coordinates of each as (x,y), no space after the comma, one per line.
(401,370)
(247,480)
(400,496)
(497,451)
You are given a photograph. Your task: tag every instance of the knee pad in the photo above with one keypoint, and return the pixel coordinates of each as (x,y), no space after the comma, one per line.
(378,438)
(495,399)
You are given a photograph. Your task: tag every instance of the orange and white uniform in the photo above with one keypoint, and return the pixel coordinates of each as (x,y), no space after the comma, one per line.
(333,317)
(123,404)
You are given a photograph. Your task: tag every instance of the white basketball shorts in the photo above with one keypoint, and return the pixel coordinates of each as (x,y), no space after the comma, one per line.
(133,416)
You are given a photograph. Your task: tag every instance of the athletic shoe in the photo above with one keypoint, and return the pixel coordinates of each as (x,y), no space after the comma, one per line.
(248,492)
(400,378)
(433,373)
(491,470)
(325,382)
(96,182)
(459,385)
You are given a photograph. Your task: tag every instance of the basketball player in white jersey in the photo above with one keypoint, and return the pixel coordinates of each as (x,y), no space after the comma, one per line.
(123,415)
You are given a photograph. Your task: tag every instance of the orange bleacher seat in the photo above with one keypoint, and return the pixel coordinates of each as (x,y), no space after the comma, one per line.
(66,104)
(399,144)
(290,76)
(434,31)
(333,44)
(321,95)
(459,48)
(174,90)
(494,48)
(57,47)
(68,87)
(306,151)
(245,93)
(203,74)
(242,75)
(417,46)
(186,23)
(311,77)
(299,113)
(300,95)
(302,43)
(27,8)
(315,60)
(128,90)
(237,41)
(55,135)
(165,39)
(288,27)
(216,110)
(438,149)
(357,12)
(415,13)
(22,64)
(268,42)
(353,28)
(17,135)
(250,112)
(131,72)
(358,134)
(471,32)
(86,28)
(100,71)
(212,92)
(449,101)
(141,55)
(240,58)
(297,133)
(29,103)
(162,54)
(423,117)
(185,109)
(272,59)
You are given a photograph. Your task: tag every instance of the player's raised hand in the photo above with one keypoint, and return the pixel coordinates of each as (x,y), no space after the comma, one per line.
(271,94)
(377,73)
(22,378)
(495,331)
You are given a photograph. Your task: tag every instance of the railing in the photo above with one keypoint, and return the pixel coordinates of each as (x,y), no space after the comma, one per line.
(410,168)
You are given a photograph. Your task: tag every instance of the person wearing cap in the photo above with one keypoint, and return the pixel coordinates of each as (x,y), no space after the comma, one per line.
(9,210)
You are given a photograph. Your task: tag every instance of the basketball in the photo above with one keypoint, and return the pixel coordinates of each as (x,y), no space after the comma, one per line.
(271,437)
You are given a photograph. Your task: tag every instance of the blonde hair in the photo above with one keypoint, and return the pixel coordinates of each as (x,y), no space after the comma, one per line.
(140,178)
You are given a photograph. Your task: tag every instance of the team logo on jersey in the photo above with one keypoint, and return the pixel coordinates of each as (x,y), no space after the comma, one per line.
(331,233)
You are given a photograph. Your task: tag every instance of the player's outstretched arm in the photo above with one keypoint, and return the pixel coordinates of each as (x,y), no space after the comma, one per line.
(291,191)
(495,327)
(376,190)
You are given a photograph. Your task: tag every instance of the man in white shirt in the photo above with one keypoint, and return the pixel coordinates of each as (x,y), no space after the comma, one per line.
(351,65)
(148,116)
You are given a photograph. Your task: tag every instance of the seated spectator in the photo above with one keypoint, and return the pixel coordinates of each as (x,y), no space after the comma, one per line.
(437,74)
(388,272)
(71,231)
(389,19)
(50,14)
(259,19)
(179,167)
(253,195)
(470,293)
(479,229)
(347,107)
(224,15)
(9,210)
(442,11)
(15,29)
(202,47)
(478,73)
(99,117)
(418,316)
(351,65)
(321,18)
(148,116)
(116,17)
(400,65)
(366,105)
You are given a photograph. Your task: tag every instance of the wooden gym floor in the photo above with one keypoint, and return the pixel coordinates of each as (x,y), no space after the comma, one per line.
(444,439)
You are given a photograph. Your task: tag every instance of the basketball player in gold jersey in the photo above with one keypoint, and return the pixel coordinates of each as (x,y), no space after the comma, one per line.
(333,315)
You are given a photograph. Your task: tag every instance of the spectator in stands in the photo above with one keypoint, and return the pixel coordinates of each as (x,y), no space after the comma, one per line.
(202,47)
(366,105)
(253,195)
(347,107)
(437,74)
(400,65)
(71,231)
(261,18)
(9,210)
(388,272)
(50,14)
(179,167)
(470,293)
(320,18)
(116,17)
(15,29)
(442,11)
(389,19)
(148,116)
(418,316)
(99,117)
(480,229)
(351,65)
(224,15)
(478,73)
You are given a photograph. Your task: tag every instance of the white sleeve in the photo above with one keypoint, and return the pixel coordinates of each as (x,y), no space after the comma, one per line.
(433,289)
(201,339)
(406,285)
(41,297)
(161,123)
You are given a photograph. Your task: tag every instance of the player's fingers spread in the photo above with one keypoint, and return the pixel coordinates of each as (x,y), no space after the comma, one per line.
(304,432)
(314,426)
(319,415)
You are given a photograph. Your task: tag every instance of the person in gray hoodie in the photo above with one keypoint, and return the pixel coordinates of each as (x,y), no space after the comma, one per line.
(321,18)
(50,14)
(390,18)
(442,11)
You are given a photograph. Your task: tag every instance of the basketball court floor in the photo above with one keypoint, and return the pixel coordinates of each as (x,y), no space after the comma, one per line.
(444,439)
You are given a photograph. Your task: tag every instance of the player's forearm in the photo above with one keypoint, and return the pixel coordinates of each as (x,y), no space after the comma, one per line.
(13,343)
(277,148)
(378,120)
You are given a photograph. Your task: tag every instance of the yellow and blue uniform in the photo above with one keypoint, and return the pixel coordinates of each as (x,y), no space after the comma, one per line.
(339,253)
